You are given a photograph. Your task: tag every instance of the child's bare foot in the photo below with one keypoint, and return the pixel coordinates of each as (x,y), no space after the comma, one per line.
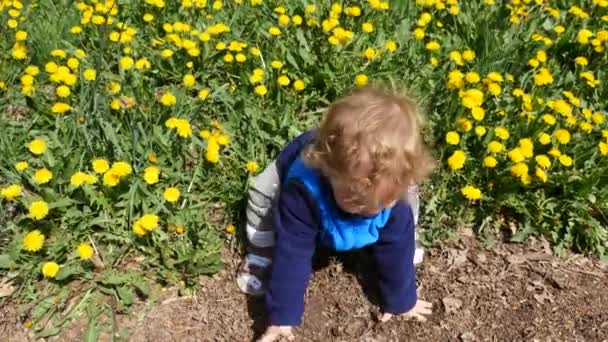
(419,312)
(275,333)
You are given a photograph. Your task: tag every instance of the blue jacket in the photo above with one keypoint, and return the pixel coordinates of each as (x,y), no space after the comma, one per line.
(338,231)
(305,214)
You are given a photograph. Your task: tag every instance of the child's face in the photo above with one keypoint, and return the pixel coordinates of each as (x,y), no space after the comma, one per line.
(352,205)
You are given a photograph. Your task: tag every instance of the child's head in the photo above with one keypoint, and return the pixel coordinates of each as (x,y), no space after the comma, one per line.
(370,149)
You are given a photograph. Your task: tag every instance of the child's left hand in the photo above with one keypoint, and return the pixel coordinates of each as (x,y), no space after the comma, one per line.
(419,312)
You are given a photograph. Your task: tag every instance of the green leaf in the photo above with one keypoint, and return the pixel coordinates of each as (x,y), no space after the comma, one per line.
(42,308)
(523,233)
(114,278)
(126,294)
(48,332)
(290,58)
(62,202)
(92,332)
(68,271)
(6,261)
(141,285)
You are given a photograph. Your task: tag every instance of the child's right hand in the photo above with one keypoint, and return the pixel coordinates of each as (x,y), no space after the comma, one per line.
(275,333)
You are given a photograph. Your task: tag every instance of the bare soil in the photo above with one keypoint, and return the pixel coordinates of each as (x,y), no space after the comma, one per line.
(510,292)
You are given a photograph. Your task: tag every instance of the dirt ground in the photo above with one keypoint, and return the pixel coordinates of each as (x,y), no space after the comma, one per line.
(510,292)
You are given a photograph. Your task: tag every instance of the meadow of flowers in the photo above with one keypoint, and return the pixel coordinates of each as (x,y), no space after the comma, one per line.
(130,128)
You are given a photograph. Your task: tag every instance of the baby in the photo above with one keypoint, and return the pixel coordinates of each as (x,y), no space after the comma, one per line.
(348,185)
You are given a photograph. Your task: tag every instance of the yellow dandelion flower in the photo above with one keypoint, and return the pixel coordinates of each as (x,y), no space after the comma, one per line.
(299,85)
(543,77)
(452,138)
(543,161)
(583,36)
(471,98)
(223,140)
(541,174)
(464,124)
(38,210)
(203,94)
(562,136)
(60,108)
(166,53)
(433,46)
(22,166)
(184,130)
(516,155)
(581,60)
(121,169)
(603,147)
(228,58)
(63,91)
(367,27)
(565,160)
(361,80)
(43,176)
(168,99)
(598,118)
(478,113)
(37,146)
(390,45)
(10,192)
(252,167)
(519,170)
(490,162)
(472,77)
(33,241)
(111,179)
(138,229)
(189,80)
(502,133)
(284,20)
(456,160)
(283,81)
(32,70)
(142,64)
(171,194)
(468,55)
(79,178)
(471,193)
(100,165)
(274,31)
(544,138)
(261,90)
(126,63)
(85,251)
(90,74)
(149,222)
(240,58)
(50,269)
(212,156)
(495,147)
(151,174)
(554,152)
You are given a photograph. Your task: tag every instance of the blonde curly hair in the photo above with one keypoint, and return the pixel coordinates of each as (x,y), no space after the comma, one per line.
(370,143)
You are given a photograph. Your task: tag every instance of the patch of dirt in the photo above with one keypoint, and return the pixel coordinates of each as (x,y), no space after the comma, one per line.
(507,293)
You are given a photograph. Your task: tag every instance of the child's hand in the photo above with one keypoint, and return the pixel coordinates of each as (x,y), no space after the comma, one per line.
(419,312)
(275,333)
